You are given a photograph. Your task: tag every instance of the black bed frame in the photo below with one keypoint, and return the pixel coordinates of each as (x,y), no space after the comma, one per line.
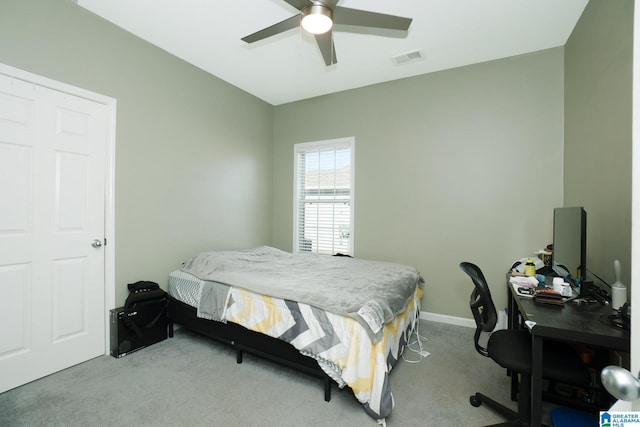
(242,339)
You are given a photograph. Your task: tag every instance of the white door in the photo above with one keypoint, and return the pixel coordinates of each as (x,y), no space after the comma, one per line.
(52,199)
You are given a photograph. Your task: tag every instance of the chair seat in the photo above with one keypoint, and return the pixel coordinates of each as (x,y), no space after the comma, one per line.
(512,350)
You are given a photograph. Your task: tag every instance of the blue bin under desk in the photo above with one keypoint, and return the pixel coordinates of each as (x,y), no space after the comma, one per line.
(567,417)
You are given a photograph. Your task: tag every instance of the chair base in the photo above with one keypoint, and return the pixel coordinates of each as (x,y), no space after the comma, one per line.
(514,420)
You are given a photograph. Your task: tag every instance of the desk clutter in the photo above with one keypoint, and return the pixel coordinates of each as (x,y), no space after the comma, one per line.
(557,291)
(536,288)
(562,292)
(621,319)
(539,270)
(548,296)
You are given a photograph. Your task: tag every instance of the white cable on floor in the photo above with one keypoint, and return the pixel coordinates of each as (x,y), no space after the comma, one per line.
(411,346)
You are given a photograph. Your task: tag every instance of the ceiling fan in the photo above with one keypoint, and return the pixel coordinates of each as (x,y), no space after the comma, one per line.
(319,17)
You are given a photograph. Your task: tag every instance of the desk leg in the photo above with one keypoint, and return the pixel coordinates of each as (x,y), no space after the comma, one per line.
(512,309)
(536,380)
(512,322)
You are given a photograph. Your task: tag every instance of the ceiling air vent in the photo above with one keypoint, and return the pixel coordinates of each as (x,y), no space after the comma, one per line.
(416,55)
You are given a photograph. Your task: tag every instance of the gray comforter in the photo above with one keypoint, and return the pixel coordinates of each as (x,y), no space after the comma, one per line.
(372,292)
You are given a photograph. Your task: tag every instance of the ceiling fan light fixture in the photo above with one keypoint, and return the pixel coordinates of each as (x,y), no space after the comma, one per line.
(317,19)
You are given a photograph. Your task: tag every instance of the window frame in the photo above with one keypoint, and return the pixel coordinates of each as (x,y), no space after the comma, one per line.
(337,143)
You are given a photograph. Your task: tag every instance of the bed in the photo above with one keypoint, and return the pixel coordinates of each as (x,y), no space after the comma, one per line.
(342,319)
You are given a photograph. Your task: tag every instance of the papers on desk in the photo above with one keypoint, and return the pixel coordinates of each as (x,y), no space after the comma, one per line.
(524,286)
(524,281)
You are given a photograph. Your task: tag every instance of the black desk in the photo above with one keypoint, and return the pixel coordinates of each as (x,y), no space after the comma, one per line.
(569,323)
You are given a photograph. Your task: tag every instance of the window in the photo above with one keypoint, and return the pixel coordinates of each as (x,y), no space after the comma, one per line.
(323,202)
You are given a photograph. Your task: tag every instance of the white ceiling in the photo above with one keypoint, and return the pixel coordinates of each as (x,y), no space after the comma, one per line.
(289,67)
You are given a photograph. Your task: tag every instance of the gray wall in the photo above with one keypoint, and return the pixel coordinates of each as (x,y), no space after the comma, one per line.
(465,164)
(597,156)
(193,153)
(460,165)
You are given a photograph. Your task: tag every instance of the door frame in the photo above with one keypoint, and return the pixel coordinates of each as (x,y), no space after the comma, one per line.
(635,198)
(109,217)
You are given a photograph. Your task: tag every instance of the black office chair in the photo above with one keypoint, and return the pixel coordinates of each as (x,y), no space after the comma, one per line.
(511,349)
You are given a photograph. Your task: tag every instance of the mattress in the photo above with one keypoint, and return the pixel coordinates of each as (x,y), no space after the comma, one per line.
(185,287)
(340,344)
(372,292)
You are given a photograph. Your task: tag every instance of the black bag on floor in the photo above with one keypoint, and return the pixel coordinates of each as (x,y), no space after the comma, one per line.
(142,321)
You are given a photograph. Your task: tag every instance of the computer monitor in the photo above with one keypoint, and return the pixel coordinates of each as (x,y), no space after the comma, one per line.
(570,242)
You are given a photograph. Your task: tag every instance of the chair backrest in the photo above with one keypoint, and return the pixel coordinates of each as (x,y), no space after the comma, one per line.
(484,312)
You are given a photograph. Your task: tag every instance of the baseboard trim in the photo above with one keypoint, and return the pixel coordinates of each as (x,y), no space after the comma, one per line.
(452,320)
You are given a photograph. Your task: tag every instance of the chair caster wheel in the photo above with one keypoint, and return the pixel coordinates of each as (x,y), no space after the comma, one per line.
(474,401)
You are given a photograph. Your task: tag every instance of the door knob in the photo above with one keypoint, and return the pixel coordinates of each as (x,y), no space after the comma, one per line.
(620,383)
(96,243)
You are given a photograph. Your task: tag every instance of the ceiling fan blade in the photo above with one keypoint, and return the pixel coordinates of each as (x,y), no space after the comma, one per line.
(299,4)
(278,28)
(327,48)
(363,18)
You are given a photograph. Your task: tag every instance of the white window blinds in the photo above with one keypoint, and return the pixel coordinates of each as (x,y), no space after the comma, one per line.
(323,211)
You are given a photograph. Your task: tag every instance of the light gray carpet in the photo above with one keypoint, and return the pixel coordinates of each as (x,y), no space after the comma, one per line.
(189,380)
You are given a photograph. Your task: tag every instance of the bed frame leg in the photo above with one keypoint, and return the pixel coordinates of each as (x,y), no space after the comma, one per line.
(327,389)
(170,329)
(239,355)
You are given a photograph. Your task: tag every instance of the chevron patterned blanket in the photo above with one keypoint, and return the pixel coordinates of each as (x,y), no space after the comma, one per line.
(340,344)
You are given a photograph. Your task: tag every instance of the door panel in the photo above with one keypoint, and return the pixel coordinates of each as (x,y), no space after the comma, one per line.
(15,285)
(15,171)
(71,192)
(69,283)
(52,199)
